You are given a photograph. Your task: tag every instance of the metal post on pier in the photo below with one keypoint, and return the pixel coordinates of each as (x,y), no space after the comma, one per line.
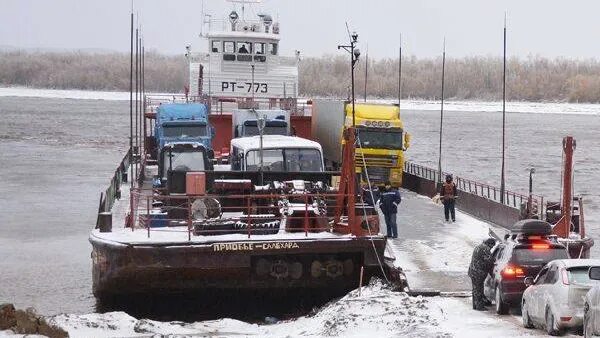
(400,72)
(442,113)
(366,72)
(131,105)
(530,197)
(137,120)
(502,177)
(354,55)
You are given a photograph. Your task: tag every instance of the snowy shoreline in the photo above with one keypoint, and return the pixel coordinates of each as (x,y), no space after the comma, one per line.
(426,105)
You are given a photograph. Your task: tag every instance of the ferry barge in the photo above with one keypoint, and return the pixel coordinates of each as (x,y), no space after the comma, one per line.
(197,217)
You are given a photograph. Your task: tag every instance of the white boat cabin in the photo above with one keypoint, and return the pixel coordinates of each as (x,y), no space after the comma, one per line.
(242,60)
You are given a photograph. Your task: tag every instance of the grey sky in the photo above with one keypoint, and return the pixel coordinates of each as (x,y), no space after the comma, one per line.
(472,27)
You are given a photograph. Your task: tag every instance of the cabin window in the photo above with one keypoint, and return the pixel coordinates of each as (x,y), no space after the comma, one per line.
(273,48)
(380,138)
(184,131)
(244,47)
(183,160)
(293,160)
(259,48)
(297,160)
(216,46)
(229,47)
(272,160)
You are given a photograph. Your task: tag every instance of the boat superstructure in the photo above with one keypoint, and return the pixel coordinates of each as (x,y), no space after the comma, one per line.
(242,58)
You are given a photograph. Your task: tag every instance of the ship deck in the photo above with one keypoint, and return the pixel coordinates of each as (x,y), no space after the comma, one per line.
(140,235)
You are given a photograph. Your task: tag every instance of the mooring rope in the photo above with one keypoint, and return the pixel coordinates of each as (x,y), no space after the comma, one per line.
(365,210)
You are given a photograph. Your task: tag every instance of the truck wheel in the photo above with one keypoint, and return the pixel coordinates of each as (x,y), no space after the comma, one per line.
(551,324)
(501,306)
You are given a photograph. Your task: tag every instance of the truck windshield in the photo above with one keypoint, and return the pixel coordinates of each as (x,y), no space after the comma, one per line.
(185,130)
(294,160)
(269,130)
(377,138)
(183,161)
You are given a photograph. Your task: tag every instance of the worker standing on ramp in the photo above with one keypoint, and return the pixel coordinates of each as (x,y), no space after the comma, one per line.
(448,194)
(388,202)
(482,263)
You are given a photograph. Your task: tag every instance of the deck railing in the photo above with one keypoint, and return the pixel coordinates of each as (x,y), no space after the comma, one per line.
(511,198)
(251,215)
(219,105)
(113,192)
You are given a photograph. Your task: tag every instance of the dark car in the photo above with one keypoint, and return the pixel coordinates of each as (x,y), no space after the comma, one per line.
(526,250)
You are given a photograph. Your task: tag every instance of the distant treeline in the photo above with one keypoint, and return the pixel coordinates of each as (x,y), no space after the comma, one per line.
(468,78)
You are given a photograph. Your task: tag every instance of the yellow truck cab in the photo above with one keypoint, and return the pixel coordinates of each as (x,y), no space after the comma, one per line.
(381,142)
(381,138)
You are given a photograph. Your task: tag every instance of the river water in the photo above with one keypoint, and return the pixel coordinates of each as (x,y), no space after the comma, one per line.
(58,154)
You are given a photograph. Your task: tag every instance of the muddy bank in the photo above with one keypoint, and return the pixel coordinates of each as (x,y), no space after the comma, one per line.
(27,322)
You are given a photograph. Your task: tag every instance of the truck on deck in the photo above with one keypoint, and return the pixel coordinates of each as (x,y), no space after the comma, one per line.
(245,122)
(182,122)
(381,140)
(182,136)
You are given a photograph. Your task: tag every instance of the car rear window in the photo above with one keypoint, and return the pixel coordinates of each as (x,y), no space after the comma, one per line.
(579,275)
(530,256)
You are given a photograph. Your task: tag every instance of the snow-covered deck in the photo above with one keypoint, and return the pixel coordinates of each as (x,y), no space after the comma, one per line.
(179,235)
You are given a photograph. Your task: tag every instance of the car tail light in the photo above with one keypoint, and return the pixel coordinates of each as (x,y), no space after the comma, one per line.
(540,246)
(565,276)
(565,319)
(513,271)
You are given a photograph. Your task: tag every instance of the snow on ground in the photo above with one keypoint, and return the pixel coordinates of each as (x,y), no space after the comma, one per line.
(374,311)
(469,106)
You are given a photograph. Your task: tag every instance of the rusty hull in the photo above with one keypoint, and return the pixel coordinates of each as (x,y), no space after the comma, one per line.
(120,269)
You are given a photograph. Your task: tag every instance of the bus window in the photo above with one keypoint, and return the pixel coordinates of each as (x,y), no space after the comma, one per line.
(273,48)
(215,46)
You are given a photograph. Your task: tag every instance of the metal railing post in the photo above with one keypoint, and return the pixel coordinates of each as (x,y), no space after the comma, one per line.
(249,218)
(305,215)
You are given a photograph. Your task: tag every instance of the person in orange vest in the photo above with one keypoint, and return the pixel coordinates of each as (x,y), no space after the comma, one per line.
(448,194)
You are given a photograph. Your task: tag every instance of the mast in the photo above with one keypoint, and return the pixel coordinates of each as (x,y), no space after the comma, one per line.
(442,112)
(137,119)
(366,72)
(400,71)
(131,103)
(502,177)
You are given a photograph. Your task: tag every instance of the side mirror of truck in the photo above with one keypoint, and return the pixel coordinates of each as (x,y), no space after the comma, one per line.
(407,138)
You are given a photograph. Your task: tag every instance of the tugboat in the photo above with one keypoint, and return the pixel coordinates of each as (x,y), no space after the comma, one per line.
(192,223)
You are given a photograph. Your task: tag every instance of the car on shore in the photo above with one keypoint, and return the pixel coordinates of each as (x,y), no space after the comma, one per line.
(554,299)
(525,251)
(591,306)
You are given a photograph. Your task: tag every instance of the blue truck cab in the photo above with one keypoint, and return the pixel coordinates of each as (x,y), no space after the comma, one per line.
(183,138)
(182,122)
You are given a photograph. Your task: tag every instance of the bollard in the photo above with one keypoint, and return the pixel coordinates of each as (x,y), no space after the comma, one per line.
(105,221)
